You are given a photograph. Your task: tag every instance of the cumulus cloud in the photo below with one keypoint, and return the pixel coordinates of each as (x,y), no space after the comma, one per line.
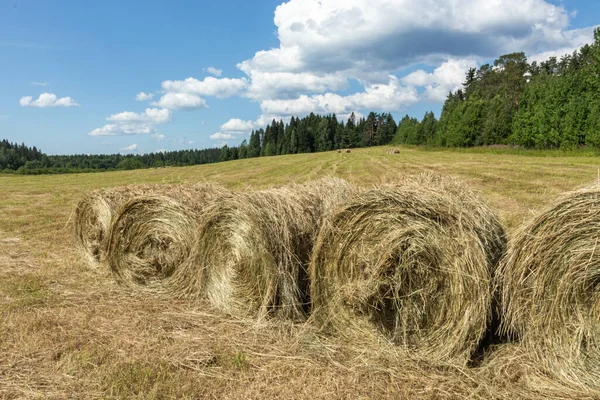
(286,85)
(361,35)
(141,96)
(323,44)
(209,86)
(386,97)
(214,71)
(47,100)
(236,125)
(131,123)
(221,136)
(576,39)
(181,101)
(130,148)
(447,77)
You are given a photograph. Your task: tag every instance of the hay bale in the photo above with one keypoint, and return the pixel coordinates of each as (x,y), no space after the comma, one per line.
(254,248)
(93,216)
(348,150)
(550,286)
(396,151)
(411,264)
(152,236)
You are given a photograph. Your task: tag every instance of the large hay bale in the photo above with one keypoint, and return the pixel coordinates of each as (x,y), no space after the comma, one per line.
(550,286)
(152,236)
(93,216)
(411,264)
(254,248)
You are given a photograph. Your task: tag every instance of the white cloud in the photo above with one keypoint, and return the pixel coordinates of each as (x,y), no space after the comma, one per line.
(130,148)
(221,136)
(236,125)
(181,101)
(131,123)
(141,96)
(190,142)
(152,115)
(209,86)
(160,151)
(576,38)
(158,136)
(392,96)
(285,85)
(47,100)
(447,77)
(214,71)
(323,44)
(43,84)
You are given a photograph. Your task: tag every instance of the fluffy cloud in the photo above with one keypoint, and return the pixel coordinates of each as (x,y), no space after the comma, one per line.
(286,85)
(180,101)
(323,44)
(221,136)
(445,78)
(359,35)
(131,123)
(150,115)
(236,125)
(141,96)
(214,71)
(576,38)
(387,97)
(47,100)
(130,148)
(209,86)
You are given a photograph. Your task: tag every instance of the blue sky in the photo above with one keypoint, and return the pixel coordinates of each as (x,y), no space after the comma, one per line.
(205,74)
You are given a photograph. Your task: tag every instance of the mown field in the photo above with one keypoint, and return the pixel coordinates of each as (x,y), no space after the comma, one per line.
(68,331)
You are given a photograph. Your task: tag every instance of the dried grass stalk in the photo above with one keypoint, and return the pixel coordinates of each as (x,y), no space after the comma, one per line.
(253,248)
(93,216)
(152,236)
(410,264)
(550,286)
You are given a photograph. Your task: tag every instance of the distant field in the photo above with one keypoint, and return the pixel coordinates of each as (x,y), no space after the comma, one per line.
(70,332)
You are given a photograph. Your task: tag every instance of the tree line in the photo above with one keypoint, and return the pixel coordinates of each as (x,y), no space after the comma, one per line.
(25,160)
(553,104)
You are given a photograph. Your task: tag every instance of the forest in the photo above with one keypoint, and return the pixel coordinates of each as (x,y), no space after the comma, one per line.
(554,104)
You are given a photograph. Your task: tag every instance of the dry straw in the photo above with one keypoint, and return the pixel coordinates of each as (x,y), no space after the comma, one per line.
(152,236)
(410,264)
(93,216)
(254,248)
(550,286)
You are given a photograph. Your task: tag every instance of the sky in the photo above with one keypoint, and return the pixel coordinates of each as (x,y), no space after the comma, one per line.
(139,77)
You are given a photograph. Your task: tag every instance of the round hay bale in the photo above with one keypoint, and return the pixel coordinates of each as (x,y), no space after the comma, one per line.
(550,286)
(93,216)
(254,248)
(410,264)
(152,237)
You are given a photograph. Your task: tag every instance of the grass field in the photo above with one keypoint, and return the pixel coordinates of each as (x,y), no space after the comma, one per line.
(67,331)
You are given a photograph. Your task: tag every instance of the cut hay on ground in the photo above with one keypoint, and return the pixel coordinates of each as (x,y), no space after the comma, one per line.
(411,264)
(93,217)
(152,236)
(550,285)
(254,248)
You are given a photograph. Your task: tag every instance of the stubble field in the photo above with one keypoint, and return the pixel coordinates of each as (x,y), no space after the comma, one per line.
(70,331)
